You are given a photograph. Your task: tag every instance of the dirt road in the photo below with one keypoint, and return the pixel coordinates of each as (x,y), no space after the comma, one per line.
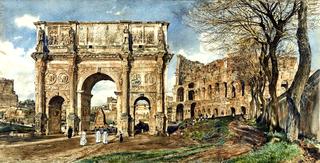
(69,150)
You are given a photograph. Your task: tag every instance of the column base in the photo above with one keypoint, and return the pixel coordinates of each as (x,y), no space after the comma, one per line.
(124,128)
(40,123)
(73,122)
(160,123)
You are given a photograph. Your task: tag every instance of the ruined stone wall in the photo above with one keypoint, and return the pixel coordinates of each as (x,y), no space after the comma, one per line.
(8,98)
(310,102)
(215,89)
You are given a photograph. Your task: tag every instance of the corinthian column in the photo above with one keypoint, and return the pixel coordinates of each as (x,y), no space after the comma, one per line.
(40,117)
(160,98)
(125,98)
(72,118)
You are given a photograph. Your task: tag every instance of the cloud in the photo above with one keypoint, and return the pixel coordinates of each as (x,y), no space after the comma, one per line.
(170,83)
(199,56)
(26,21)
(17,37)
(115,12)
(101,91)
(315,49)
(16,64)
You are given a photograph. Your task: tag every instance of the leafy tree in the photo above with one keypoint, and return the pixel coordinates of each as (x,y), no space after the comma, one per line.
(28,103)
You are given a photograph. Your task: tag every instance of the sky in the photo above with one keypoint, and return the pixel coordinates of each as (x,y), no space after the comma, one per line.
(17,34)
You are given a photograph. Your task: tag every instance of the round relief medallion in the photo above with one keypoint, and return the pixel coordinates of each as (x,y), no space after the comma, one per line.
(63,78)
(51,78)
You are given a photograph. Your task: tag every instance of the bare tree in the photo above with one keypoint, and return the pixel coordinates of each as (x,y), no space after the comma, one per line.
(295,91)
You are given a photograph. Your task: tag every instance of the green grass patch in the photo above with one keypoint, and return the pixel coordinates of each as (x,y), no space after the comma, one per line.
(173,155)
(270,153)
(207,130)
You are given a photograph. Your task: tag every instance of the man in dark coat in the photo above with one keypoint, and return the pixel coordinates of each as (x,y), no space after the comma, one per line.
(121,138)
(70,132)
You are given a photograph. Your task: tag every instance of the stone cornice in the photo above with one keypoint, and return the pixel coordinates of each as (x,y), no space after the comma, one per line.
(104,22)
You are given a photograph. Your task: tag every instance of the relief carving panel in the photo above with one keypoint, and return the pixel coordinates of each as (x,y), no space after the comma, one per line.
(135,80)
(149,35)
(137,35)
(52,35)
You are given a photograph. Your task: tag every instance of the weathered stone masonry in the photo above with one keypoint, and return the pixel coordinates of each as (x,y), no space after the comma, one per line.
(8,98)
(72,56)
(215,89)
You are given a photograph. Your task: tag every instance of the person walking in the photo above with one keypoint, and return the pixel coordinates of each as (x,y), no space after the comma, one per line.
(98,136)
(83,138)
(121,137)
(101,132)
(105,136)
(70,130)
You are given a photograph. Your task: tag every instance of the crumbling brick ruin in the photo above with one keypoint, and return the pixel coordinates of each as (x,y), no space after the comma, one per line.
(8,97)
(215,89)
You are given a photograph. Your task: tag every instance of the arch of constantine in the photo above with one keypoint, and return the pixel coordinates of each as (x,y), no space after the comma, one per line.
(71,57)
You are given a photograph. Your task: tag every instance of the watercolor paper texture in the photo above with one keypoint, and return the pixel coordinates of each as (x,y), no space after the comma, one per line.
(159,81)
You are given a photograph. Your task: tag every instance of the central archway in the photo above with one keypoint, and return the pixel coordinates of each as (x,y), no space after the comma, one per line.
(142,110)
(86,95)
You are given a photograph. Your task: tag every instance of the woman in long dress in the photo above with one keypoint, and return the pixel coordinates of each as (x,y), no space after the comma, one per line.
(105,137)
(98,136)
(83,138)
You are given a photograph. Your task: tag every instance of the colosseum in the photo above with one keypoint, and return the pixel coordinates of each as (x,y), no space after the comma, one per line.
(215,89)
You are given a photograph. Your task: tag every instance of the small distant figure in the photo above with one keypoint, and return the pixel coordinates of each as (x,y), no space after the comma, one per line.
(98,136)
(101,130)
(83,138)
(105,136)
(121,137)
(70,130)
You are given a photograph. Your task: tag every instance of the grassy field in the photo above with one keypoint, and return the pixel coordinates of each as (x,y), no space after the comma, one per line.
(269,153)
(212,130)
(211,136)
(172,155)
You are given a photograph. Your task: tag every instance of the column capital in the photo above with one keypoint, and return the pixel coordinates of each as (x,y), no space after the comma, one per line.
(38,56)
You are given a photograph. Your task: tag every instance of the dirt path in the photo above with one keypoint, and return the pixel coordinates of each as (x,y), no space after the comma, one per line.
(246,138)
(69,150)
(59,149)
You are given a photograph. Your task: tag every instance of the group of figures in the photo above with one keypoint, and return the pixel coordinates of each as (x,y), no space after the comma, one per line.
(83,136)
(101,134)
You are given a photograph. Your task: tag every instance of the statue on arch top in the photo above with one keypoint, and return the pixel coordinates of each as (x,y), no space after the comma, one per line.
(41,40)
(72,40)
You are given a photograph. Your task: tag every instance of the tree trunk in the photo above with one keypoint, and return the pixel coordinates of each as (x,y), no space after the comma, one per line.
(253,102)
(301,77)
(273,116)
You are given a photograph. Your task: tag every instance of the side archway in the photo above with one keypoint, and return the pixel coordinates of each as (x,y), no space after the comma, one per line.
(193,107)
(179,113)
(142,113)
(57,115)
(233,111)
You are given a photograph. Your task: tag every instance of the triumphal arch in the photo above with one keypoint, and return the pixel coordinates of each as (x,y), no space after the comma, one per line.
(71,57)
